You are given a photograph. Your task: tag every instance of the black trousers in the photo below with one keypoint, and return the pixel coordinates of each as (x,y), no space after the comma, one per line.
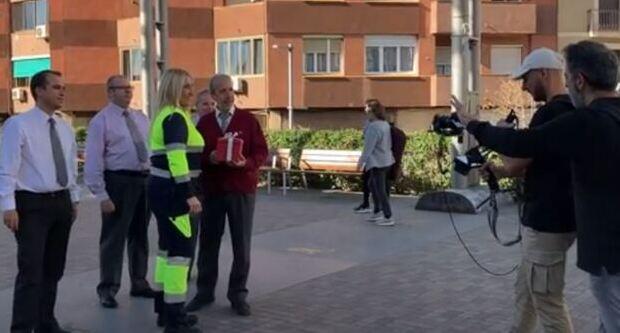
(377,184)
(44,225)
(129,223)
(239,208)
(366,187)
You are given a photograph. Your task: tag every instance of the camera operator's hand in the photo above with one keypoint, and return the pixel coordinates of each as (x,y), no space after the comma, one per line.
(498,170)
(461,111)
(504,124)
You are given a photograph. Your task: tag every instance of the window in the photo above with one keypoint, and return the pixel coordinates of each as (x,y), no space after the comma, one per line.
(240,57)
(21,82)
(608,5)
(258,56)
(505,59)
(443,60)
(132,64)
(26,15)
(41,12)
(390,54)
(322,55)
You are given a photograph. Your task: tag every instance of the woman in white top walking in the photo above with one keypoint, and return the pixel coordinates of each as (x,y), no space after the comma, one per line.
(376,159)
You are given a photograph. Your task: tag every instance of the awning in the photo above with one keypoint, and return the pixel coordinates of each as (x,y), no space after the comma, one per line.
(29,67)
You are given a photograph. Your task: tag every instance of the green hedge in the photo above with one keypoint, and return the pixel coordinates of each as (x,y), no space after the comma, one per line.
(80,135)
(425,163)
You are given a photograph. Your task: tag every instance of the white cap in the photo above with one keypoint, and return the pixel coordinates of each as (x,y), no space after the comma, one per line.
(542,58)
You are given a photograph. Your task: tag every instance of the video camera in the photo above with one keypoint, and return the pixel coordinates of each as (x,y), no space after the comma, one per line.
(450,125)
(474,159)
(447,125)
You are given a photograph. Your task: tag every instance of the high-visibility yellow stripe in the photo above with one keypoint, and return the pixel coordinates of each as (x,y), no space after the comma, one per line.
(177,162)
(161,264)
(182,223)
(175,286)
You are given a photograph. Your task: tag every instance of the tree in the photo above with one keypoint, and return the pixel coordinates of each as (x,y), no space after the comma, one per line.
(507,97)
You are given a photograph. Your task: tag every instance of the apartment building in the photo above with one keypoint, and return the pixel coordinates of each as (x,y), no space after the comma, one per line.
(589,19)
(343,52)
(88,40)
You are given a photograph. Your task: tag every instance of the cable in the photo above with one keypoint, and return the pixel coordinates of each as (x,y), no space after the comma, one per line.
(473,258)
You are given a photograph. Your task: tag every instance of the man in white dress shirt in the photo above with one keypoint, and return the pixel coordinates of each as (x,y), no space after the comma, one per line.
(39,197)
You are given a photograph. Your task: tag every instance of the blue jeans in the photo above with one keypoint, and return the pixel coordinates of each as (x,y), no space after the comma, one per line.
(606,290)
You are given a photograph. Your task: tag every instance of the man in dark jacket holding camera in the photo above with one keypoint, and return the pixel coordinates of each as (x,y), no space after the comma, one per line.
(590,138)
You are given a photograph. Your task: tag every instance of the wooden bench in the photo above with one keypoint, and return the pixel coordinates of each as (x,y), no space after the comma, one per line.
(333,162)
(278,161)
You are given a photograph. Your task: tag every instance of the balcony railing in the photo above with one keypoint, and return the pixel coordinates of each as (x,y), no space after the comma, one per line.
(603,20)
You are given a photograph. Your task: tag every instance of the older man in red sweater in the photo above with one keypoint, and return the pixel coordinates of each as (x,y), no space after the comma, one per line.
(229,191)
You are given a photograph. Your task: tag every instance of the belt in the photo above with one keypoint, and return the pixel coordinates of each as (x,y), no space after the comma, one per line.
(129,173)
(56,194)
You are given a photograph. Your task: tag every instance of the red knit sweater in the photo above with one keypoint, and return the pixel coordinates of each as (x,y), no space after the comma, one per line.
(220,178)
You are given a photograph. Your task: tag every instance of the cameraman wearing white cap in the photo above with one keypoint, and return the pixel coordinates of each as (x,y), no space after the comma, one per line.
(590,138)
(548,223)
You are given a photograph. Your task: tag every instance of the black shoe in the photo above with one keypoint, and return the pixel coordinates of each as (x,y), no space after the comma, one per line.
(53,328)
(188,320)
(182,329)
(198,302)
(242,308)
(144,293)
(108,302)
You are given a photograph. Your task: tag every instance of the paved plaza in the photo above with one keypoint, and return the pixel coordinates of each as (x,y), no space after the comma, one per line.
(319,268)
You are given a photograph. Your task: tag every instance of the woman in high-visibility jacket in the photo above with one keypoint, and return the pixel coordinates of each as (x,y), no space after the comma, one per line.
(176,147)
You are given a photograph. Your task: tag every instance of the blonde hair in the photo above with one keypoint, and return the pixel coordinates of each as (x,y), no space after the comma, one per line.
(171,87)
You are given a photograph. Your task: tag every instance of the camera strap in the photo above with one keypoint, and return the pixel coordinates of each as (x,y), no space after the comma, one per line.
(493,213)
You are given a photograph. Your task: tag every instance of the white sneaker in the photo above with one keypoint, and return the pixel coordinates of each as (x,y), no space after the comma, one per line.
(385,222)
(375,217)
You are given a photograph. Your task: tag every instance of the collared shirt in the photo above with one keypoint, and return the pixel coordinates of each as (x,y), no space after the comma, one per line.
(109,146)
(219,120)
(26,159)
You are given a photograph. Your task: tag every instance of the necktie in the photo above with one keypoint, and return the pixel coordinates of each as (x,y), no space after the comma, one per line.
(224,120)
(138,142)
(59,157)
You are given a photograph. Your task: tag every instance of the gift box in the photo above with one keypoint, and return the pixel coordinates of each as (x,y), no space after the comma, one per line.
(229,148)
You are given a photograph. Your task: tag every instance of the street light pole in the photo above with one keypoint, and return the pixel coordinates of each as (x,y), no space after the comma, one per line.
(146,47)
(474,76)
(464,196)
(290,86)
(162,35)
(460,71)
